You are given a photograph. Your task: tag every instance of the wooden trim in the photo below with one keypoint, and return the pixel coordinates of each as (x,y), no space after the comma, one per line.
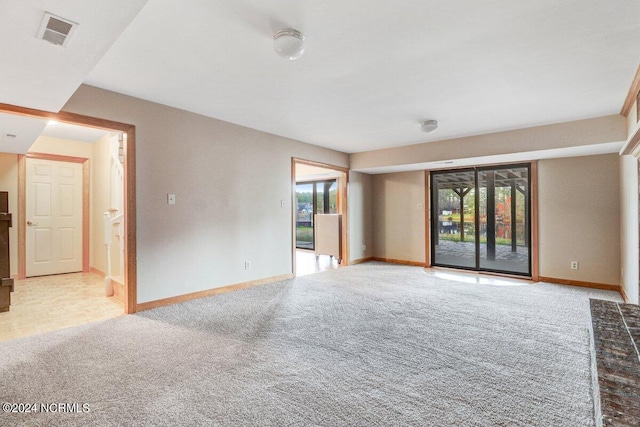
(427,218)
(86,208)
(22,217)
(118,291)
(130,242)
(342,202)
(632,94)
(209,292)
(319,164)
(55,157)
(624,295)
(98,272)
(64,117)
(361,260)
(535,259)
(633,144)
(398,261)
(118,288)
(591,285)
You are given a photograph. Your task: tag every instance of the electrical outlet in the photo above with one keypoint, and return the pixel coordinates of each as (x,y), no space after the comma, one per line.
(574,265)
(282,203)
(247,265)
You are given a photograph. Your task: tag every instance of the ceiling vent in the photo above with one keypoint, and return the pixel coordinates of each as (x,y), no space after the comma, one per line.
(56,30)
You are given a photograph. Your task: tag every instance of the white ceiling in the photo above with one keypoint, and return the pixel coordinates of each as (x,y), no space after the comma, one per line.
(73,132)
(371,71)
(40,75)
(37,74)
(17,133)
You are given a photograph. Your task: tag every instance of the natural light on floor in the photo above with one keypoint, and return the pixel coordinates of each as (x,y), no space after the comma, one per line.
(476,278)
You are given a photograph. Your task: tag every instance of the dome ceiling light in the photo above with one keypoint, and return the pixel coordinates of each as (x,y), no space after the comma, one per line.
(289,43)
(429,126)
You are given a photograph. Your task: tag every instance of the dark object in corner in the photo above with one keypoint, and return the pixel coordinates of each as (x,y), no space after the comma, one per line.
(6,282)
(615,339)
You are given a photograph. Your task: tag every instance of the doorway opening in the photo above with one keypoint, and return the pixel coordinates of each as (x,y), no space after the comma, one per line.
(481,219)
(69,249)
(312,198)
(319,217)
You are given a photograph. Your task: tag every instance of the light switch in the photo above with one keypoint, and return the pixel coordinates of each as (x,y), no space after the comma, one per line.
(171,199)
(419,205)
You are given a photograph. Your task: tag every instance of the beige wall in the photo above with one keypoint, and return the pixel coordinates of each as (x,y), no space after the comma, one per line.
(579,218)
(360,205)
(399,216)
(9,182)
(629,227)
(570,134)
(100,202)
(229,182)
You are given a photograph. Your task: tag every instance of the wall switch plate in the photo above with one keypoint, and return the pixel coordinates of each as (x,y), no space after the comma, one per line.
(171,199)
(247,265)
(419,205)
(282,203)
(363,248)
(574,265)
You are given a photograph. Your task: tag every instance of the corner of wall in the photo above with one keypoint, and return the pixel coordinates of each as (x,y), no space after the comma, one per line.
(629,242)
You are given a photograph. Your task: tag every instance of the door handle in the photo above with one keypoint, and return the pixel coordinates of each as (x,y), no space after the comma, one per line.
(29,223)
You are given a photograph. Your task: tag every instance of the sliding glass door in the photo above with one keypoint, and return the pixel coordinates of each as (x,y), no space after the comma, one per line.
(317,197)
(481,219)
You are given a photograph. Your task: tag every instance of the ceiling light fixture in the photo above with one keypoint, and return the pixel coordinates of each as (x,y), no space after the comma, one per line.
(429,126)
(52,123)
(289,43)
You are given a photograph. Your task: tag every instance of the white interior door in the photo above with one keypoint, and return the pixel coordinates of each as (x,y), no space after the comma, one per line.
(54,217)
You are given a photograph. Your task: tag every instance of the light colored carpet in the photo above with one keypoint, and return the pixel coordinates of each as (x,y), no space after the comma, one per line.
(369,345)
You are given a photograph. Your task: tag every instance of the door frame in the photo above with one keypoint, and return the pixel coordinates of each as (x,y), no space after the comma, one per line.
(533,208)
(343,180)
(22,208)
(130,241)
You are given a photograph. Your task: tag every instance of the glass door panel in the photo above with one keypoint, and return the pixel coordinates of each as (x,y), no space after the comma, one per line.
(326,193)
(304,216)
(454,230)
(504,246)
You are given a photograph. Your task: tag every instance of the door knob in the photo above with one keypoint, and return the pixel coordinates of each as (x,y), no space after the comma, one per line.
(29,223)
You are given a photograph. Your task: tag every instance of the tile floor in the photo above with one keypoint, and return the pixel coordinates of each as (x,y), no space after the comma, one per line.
(307,263)
(48,303)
